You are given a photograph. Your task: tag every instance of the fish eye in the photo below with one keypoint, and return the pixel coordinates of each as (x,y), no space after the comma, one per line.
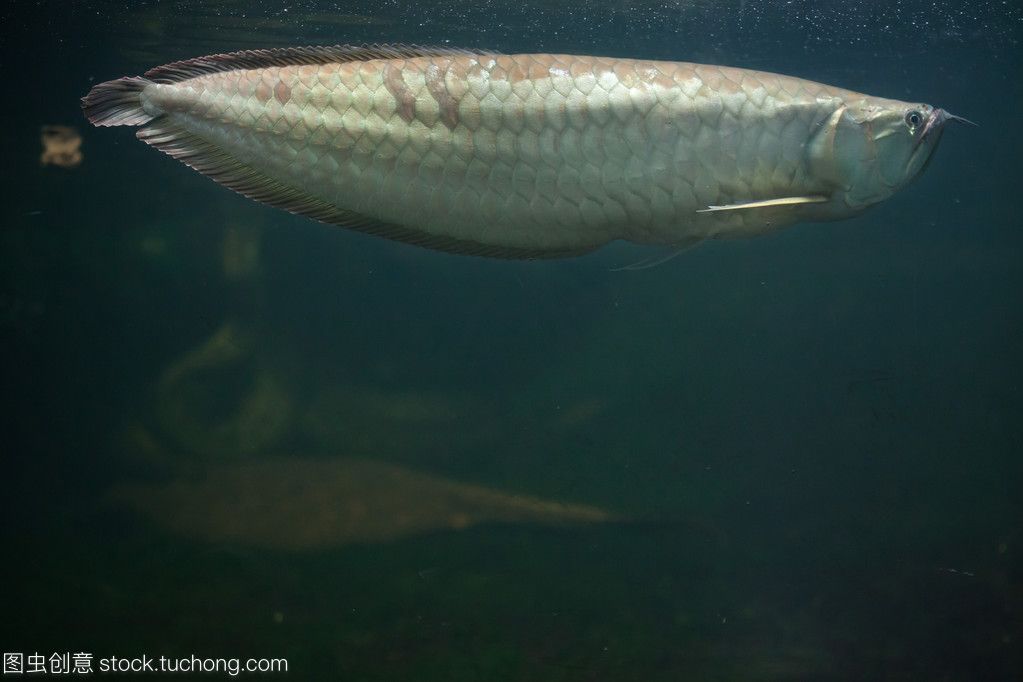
(914,119)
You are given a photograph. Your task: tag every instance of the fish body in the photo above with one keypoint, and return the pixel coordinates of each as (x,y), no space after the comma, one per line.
(296,503)
(535,155)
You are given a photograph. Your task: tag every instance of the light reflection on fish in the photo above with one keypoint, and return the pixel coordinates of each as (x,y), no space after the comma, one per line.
(524,156)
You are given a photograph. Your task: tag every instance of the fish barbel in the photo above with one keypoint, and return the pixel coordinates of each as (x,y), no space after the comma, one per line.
(524,156)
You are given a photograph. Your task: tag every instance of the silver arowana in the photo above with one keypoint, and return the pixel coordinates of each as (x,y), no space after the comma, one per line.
(524,156)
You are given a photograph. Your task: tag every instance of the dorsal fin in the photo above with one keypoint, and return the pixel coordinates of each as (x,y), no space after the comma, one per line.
(296,56)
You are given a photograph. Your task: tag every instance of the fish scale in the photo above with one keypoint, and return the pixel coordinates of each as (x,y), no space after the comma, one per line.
(502,155)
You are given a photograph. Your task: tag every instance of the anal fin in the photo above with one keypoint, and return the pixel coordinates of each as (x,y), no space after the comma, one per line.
(221,166)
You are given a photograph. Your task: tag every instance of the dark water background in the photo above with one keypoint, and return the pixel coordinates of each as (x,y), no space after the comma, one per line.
(812,440)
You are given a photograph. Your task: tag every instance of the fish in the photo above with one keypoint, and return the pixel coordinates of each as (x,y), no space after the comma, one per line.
(308,503)
(61,146)
(526,155)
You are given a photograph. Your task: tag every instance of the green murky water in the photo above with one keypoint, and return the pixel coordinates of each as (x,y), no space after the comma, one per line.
(232,432)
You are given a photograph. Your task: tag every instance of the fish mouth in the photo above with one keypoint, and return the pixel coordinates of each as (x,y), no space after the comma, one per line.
(936,123)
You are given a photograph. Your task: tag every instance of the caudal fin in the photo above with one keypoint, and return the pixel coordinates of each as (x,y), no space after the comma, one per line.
(117,103)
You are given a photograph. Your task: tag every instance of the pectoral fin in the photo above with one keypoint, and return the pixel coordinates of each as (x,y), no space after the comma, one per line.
(766,203)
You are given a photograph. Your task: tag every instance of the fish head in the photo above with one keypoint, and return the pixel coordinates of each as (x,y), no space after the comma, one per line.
(878,146)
